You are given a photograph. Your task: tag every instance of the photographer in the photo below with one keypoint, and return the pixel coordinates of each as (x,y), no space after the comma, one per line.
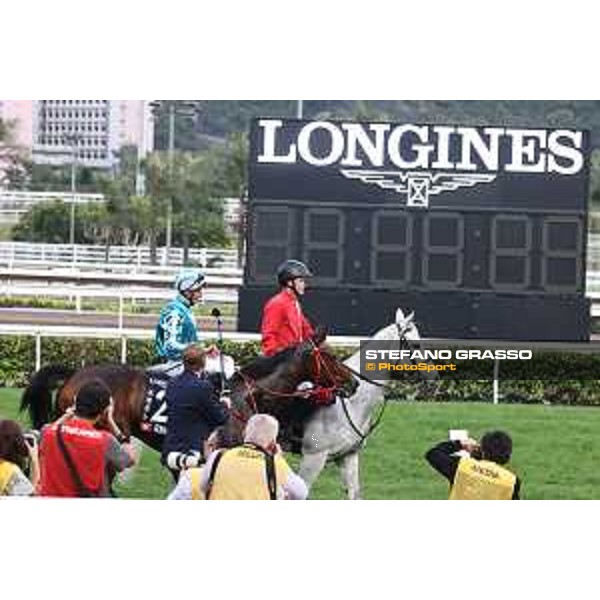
(77,459)
(471,478)
(15,451)
(256,470)
(188,486)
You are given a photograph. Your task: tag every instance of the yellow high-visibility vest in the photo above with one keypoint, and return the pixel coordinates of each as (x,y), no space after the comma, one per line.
(195,474)
(482,480)
(241,475)
(7,470)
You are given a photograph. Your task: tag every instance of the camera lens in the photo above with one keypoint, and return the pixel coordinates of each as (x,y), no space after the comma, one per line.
(32,436)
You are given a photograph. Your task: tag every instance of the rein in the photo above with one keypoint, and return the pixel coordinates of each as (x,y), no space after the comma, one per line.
(321,363)
(403,342)
(252,386)
(364,377)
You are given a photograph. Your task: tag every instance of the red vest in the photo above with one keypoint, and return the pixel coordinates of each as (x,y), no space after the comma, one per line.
(87,447)
(283,323)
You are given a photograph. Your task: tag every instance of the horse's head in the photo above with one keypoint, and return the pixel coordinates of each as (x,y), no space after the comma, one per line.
(403,329)
(405,332)
(406,327)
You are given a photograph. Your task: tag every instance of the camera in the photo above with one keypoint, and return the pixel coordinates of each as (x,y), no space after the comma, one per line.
(32,437)
(182,460)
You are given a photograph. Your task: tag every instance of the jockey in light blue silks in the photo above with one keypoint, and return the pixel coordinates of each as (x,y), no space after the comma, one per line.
(176,327)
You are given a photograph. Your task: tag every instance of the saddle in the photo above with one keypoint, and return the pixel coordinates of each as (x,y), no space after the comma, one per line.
(154,420)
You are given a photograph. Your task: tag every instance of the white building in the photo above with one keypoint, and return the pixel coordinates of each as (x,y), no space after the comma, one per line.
(51,131)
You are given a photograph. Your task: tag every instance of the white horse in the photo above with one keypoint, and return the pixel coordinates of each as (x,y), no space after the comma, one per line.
(329,433)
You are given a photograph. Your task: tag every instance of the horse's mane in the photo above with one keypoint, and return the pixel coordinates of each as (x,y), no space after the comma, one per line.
(265,365)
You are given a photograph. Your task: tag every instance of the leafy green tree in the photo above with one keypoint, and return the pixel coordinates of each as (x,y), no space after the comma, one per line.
(368,111)
(236,164)
(4,131)
(49,222)
(12,158)
(149,210)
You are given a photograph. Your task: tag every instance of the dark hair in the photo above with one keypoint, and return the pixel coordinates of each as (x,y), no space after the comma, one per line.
(496,446)
(13,447)
(92,399)
(226,438)
(194,358)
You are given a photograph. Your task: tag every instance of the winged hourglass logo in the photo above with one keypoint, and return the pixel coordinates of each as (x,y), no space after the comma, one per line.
(418,185)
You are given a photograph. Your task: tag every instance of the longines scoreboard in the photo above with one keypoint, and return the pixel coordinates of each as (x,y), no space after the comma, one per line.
(480,230)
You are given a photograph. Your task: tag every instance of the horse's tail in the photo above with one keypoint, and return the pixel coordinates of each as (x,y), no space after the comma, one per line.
(37,397)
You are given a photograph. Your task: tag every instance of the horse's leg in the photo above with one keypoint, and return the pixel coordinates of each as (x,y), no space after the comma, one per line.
(311,466)
(350,475)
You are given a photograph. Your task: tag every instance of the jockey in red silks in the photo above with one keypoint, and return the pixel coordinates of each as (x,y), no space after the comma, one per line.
(283,322)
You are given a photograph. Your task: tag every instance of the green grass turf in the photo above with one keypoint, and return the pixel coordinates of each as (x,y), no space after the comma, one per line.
(556,451)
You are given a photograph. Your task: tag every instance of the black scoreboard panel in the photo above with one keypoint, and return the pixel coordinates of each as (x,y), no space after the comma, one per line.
(466,274)
(446,250)
(504,260)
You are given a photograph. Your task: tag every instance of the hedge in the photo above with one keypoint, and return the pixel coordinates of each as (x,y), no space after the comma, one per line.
(549,379)
(17,354)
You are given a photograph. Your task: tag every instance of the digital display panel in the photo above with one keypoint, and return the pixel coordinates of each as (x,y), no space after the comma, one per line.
(420,209)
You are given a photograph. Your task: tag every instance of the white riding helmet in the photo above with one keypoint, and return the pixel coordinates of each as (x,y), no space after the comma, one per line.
(190,280)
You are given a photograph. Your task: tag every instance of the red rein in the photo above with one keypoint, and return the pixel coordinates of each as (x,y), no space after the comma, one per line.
(251,385)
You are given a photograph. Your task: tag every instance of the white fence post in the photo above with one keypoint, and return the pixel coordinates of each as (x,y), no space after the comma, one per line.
(123,350)
(38,351)
(496,395)
(120,309)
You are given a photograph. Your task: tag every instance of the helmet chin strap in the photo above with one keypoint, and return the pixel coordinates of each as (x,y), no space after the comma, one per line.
(187,298)
(291,286)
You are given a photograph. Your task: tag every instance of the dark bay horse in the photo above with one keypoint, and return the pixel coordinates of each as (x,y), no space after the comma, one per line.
(265,385)
(269,385)
(128,387)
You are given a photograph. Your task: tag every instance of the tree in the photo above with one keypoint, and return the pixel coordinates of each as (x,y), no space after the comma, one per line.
(43,223)
(236,164)
(149,209)
(367,111)
(4,131)
(49,222)
(12,158)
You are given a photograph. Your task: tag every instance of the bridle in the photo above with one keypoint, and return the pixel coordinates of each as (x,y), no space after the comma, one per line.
(320,365)
(403,344)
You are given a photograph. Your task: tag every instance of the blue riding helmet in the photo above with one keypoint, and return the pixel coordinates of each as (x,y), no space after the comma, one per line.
(190,280)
